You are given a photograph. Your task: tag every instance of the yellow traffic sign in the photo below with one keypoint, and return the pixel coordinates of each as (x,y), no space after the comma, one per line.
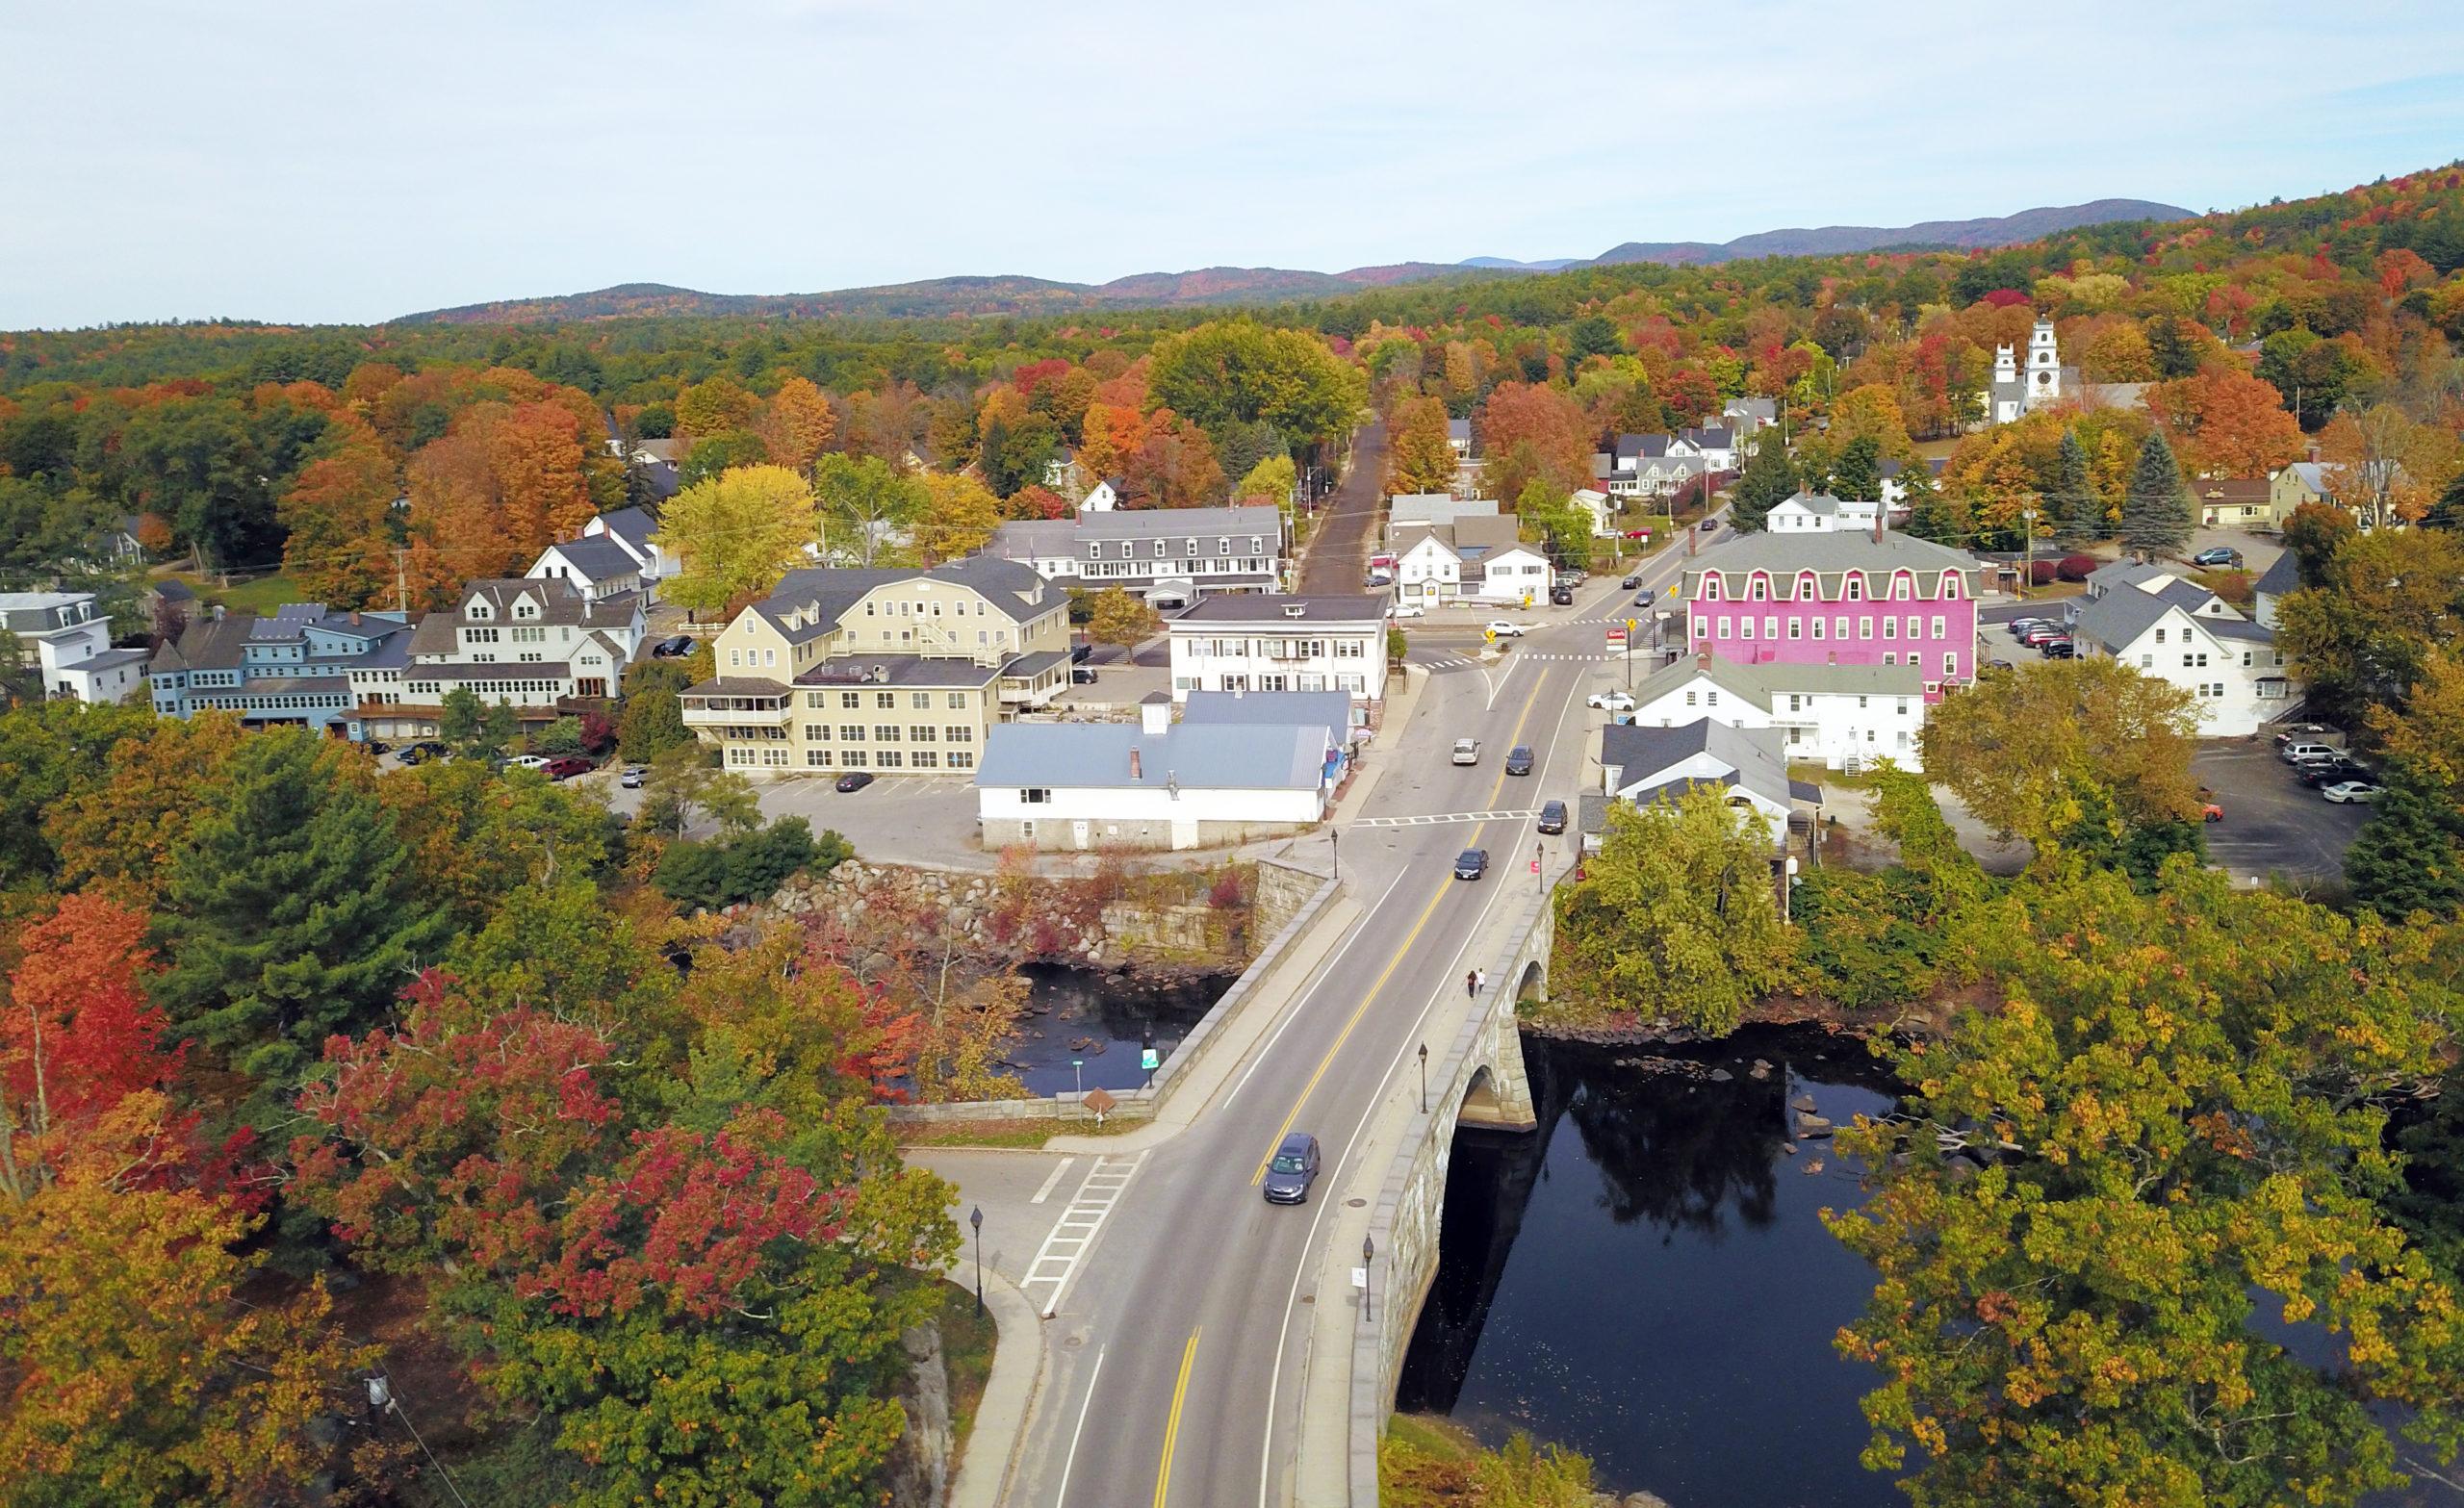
(1489,635)
(1631,625)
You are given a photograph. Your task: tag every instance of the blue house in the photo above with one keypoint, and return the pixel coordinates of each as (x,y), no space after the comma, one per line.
(307,666)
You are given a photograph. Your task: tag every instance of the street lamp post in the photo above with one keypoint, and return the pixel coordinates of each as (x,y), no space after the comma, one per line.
(1336,838)
(1540,868)
(1423,1078)
(976,1219)
(1368,1255)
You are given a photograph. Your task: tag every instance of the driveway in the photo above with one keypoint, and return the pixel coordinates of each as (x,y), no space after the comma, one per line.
(2272,825)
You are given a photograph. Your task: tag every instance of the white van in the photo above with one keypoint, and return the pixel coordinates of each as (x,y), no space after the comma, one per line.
(2308,753)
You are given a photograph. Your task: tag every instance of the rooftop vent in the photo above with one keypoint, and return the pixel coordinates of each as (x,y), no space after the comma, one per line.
(1295,609)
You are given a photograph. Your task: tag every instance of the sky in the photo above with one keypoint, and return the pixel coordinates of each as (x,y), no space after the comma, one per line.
(350,163)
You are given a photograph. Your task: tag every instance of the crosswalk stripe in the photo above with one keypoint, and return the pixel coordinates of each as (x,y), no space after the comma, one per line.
(1427,820)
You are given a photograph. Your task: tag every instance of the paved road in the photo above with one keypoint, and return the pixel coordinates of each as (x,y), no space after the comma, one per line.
(1180,1300)
(1337,559)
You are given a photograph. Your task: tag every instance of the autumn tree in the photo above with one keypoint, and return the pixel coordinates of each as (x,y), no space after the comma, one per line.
(2227,422)
(866,507)
(1273,482)
(715,406)
(2386,602)
(683,789)
(1420,455)
(118,836)
(137,1373)
(2156,511)
(1122,619)
(2127,1228)
(1532,431)
(797,424)
(2036,752)
(736,535)
(958,517)
(1676,916)
(339,551)
(654,720)
(1173,466)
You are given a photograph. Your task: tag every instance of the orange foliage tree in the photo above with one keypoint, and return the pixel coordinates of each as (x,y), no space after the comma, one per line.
(2227,422)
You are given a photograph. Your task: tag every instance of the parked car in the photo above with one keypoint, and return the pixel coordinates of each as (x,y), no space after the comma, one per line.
(2318,774)
(1467,750)
(2297,752)
(1562,595)
(1553,816)
(412,756)
(1082,675)
(2058,648)
(1079,654)
(634,776)
(1610,701)
(566,768)
(674,647)
(1707,525)
(2218,555)
(855,780)
(1293,1168)
(1503,629)
(378,746)
(2019,626)
(1471,863)
(1407,610)
(2350,791)
(528,762)
(1518,759)
(2036,634)
(1630,582)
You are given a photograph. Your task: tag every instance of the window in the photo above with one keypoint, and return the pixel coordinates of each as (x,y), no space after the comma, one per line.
(1796,628)
(2147,662)
(1938,627)
(892,760)
(922,733)
(1817,628)
(1689,699)
(958,734)
(1890,628)
(1770,628)
(1950,664)
(817,759)
(1036,796)
(1762,592)
(1710,699)
(927,760)
(1866,628)
(1856,588)
(958,701)
(1223,546)
(884,732)
(1890,657)
(851,732)
(1159,549)
(962,761)
(2160,636)
(885,698)
(1744,629)
(1724,628)
(1702,627)
(1860,704)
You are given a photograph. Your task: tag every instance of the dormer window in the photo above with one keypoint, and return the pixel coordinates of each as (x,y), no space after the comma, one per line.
(1804,586)
(1223,546)
(1856,588)
(1901,587)
(1710,586)
(1095,551)
(1761,591)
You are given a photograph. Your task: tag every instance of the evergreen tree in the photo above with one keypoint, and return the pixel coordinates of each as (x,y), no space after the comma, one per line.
(2448,512)
(1768,480)
(1857,471)
(2406,857)
(293,914)
(2074,510)
(1930,514)
(498,727)
(2156,511)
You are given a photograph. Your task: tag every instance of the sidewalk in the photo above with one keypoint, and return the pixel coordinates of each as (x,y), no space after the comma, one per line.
(1000,1426)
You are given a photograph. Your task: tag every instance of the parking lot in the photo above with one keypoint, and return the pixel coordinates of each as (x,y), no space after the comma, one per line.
(2273,824)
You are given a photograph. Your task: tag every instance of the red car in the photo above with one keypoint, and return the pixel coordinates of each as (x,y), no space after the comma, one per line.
(566,768)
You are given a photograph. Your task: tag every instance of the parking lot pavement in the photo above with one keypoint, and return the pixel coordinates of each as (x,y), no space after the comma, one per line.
(902,819)
(2273,824)
(2258,550)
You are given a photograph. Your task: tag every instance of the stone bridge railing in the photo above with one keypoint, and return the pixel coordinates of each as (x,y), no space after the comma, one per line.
(1480,1080)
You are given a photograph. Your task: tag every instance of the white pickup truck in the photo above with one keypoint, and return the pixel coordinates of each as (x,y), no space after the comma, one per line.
(1467,750)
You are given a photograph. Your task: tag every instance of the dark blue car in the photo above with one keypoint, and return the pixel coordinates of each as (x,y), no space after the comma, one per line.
(1292,1169)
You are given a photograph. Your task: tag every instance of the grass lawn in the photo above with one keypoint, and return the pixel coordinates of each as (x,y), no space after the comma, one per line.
(967,1348)
(263,595)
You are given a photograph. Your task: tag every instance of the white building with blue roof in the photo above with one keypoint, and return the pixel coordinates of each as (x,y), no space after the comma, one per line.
(1156,783)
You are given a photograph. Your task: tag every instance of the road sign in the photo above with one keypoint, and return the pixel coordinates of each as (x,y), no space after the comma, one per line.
(1489,635)
(1632,623)
(1535,866)
(1150,1060)
(1077,1062)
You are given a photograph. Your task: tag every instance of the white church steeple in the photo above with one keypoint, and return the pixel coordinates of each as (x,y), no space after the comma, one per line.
(2045,367)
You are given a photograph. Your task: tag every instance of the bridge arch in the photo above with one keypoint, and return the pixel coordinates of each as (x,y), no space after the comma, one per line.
(1535,983)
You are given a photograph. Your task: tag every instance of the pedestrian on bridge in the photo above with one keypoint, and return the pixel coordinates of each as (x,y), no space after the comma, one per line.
(1472,984)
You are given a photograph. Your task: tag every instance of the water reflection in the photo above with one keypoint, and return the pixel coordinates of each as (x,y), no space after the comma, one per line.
(1100,1019)
(1655,1289)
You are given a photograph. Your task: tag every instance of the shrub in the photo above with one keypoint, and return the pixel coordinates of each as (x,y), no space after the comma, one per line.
(749,868)
(2075,568)
(563,736)
(2040,573)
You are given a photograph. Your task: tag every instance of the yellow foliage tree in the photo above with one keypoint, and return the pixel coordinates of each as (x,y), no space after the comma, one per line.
(958,517)
(736,534)
(798,424)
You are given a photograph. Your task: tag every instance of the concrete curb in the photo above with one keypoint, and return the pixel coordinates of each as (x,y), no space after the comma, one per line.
(1001,1418)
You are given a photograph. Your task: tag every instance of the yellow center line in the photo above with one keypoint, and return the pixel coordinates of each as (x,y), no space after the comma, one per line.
(1172,1422)
(1391,964)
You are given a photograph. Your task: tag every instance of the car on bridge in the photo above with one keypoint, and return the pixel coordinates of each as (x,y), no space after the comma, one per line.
(1292,1169)
(1518,759)
(1467,750)
(1553,816)
(1471,863)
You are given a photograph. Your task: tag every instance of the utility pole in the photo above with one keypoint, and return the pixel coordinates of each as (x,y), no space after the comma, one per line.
(402,581)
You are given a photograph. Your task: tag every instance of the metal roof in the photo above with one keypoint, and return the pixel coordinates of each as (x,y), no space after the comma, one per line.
(1097,756)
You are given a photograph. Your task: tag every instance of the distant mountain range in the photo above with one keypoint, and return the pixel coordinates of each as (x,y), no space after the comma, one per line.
(1234,284)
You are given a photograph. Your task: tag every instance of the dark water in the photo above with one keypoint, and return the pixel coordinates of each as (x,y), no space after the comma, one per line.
(1644,1280)
(1099,1018)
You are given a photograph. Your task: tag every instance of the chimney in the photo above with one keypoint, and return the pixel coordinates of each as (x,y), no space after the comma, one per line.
(1703,659)
(1878,511)
(1133,763)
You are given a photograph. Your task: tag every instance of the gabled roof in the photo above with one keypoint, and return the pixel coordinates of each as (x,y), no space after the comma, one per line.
(809,603)
(1709,437)
(598,558)
(1753,759)
(2243,491)
(1331,711)
(2281,579)
(1459,429)
(1630,449)
(1760,684)
(2116,619)
(634,526)
(1783,554)
(1097,756)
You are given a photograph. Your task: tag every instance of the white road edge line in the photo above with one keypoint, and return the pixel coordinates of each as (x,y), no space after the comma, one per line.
(1071,1460)
(1045,1193)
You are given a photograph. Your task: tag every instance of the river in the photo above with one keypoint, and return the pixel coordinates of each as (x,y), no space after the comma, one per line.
(1644,1279)
(1100,1019)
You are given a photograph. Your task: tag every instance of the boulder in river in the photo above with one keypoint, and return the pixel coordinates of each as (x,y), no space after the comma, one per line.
(1814,1166)
(1721,1076)
(1804,1102)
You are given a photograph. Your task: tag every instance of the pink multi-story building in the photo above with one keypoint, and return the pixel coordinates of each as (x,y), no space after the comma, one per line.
(1837,598)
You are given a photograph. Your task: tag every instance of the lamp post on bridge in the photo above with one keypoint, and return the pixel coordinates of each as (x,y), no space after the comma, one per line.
(1423,1078)
(1368,1257)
